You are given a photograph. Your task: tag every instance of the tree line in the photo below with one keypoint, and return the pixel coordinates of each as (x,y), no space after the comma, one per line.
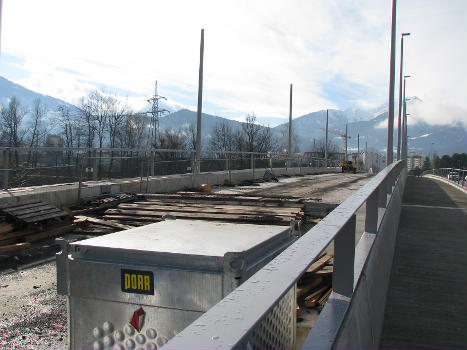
(102,120)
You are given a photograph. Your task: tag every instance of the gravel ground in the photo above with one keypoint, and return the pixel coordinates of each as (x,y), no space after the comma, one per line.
(35,317)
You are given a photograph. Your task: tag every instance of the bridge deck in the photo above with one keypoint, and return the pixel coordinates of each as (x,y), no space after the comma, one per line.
(426,302)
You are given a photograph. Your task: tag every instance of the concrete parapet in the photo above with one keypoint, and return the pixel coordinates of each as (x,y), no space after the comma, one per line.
(67,194)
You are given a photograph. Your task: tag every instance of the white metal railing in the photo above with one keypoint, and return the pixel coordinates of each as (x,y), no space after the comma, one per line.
(453,175)
(231,323)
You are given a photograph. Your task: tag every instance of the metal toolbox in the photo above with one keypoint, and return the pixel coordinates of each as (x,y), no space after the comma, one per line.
(138,288)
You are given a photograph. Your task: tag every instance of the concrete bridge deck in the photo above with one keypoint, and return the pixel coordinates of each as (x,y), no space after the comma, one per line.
(426,301)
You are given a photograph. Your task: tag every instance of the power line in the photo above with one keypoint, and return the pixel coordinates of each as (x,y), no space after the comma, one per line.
(156,112)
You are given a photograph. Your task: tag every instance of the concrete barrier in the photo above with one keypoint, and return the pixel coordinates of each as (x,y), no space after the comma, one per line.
(67,194)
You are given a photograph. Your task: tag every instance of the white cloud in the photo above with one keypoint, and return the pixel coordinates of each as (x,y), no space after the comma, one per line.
(382,125)
(253,51)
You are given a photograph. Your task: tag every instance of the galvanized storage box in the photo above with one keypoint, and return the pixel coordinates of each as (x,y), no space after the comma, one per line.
(138,288)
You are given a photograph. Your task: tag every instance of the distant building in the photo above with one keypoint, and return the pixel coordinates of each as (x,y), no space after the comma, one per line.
(369,160)
(414,161)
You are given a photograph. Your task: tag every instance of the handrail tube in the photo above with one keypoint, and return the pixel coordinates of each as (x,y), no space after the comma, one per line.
(228,322)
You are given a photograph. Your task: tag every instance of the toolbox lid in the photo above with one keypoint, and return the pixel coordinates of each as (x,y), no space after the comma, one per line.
(191,237)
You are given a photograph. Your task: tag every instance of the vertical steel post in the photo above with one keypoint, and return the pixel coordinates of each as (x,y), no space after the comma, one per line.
(346,140)
(371,217)
(390,151)
(252,164)
(152,163)
(326,141)
(289,145)
(94,165)
(344,257)
(399,134)
(200,106)
(80,180)
(6,166)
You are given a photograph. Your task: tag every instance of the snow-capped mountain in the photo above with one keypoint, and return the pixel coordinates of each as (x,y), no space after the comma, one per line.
(26,97)
(370,125)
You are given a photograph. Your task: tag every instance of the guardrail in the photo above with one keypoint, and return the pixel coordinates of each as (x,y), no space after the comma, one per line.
(455,176)
(252,316)
(25,167)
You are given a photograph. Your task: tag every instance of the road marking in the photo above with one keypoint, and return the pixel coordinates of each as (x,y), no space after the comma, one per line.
(431,207)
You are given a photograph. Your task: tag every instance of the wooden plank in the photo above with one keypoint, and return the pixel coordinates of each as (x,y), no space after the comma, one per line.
(309,286)
(312,299)
(318,264)
(49,233)
(45,217)
(15,235)
(215,204)
(105,223)
(132,218)
(103,206)
(5,228)
(14,247)
(223,197)
(39,213)
(325,297)
(214,209)
(224,202)
(23,211)
(207,216)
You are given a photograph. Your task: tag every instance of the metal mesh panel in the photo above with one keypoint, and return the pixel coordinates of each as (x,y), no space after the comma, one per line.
(277,329)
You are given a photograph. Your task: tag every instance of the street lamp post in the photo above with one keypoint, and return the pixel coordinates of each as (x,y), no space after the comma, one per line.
(389,150)
(400,98)
(404,122)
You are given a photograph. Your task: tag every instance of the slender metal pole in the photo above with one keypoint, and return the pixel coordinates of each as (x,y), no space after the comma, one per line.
(289,145)
(389,151)
(326,141)
(200,105)
(346,139)
(404,124)
(399,134)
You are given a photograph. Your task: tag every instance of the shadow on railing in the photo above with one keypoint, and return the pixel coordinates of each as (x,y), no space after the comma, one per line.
(260,314)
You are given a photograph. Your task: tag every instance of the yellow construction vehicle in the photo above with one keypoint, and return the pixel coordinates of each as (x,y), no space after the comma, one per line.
(349,166)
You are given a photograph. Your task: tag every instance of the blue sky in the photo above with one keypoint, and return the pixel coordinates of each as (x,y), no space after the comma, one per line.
(335,52)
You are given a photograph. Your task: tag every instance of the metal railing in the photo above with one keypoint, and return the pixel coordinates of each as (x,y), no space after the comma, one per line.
(24,167)
(455,176)
(236,321)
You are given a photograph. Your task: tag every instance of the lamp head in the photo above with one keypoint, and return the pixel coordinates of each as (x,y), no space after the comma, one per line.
(405,34)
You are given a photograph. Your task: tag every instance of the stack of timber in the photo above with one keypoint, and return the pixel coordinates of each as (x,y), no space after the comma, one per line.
(102,203)
(315,286)
(24,223)
(229,208)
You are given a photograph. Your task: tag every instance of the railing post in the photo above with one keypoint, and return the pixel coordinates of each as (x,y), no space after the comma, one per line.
(383,194)
(6,166)
(371,217)
(94,165)
(252,164)
(344,256)
(152,163)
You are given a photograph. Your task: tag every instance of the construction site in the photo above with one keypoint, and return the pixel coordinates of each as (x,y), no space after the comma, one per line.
(38,222)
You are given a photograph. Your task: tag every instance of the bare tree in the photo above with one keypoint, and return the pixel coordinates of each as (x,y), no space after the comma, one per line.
(116,117)
(319,148)
(222,139)
(87,109)
(169,139)
(256,138)
(37,128)
(11,118)
(191,137)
